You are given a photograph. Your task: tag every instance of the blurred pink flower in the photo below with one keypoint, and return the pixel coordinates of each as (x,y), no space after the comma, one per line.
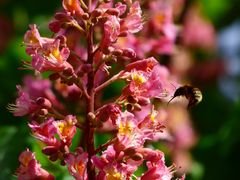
(30,168)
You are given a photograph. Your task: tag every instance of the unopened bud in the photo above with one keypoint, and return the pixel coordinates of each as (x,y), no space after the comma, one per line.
(102,19)
(128,52)
(117,52)
(137,157)
(85,16)
(61,16)
(130,151)
(43,112)
(53,157)
(143,101)
(49,150)
(91,116)
(96,13)
(63,163)
(130,107)
(113,11)
(62,39)
(123,34)
(54,76)
(68,72)
(137,107)
(131,99)
(107,1)
(41,101)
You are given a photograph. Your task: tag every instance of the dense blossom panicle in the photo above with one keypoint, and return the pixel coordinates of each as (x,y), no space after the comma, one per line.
(95,44)
(30,168)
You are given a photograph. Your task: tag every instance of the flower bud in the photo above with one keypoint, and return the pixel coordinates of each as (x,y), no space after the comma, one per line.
(49,150)
(123,34)
(117,52)
(128,52)
(130,151)
(62,162)
(113,11)
(68,72)
(43,112)
(131,99)
(61,16)
(91,116)
(85,16)
(54,76)
(137,157)
(53,157)
(41,101)
(137,107)
(143,101)
(130,107)
(96,13)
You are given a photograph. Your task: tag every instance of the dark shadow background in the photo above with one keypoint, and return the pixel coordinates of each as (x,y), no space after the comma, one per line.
(216,119)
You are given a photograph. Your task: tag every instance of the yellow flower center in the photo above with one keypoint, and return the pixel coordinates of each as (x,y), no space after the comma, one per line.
(56,54)
(113,175)
(125,129)
(80,167)
(138,78)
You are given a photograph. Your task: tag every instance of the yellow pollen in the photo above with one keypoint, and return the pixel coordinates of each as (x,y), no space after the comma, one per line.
(113,175)
(56,54)
(138,79)
(80,167)
(125,129)
(160,18)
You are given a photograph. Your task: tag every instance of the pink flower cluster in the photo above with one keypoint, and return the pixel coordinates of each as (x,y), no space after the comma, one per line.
(93,46)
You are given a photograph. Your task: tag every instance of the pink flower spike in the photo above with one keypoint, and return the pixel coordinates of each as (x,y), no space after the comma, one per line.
(30,168)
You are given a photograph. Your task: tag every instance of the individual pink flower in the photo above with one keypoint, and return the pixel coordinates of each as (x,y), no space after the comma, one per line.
(111,165)
(73,6)
(148,83)
(66,129)
(133,21)
(45,132)
(111,30)
(157,169)
(128,132)
(47,55)
(197,31)
(51,58)
(30,168)
(24,104)
(77,164)
(108,112)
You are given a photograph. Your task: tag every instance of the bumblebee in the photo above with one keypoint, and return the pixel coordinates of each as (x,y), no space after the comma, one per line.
(192,94)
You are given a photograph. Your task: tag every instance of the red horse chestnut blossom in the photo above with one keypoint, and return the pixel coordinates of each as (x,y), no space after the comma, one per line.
(96,43)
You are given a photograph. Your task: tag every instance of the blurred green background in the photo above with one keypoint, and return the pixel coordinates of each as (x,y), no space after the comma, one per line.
(216,119)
